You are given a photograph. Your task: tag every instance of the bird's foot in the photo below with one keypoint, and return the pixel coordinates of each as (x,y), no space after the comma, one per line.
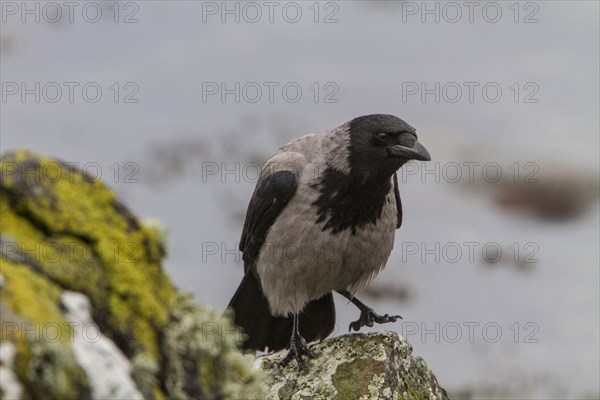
(298,347)
(368,317)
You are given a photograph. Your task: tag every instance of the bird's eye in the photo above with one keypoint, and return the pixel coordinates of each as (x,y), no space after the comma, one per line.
(383,137)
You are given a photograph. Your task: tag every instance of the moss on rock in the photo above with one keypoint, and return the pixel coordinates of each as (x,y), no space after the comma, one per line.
(62,229)
(32,321)
(82,237)
(355,366)
(225,373)
(352,379)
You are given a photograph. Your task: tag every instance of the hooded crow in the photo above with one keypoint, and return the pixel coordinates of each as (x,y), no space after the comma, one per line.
(321,219)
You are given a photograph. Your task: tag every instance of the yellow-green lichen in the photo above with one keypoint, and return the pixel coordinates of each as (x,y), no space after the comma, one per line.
(31,297)
(61,229)
(356,366)
(79,233)
(201,346)
(413,392)
(32,321)
(352,379)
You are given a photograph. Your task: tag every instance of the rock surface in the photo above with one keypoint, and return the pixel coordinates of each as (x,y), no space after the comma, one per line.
(86,310)
(355,366)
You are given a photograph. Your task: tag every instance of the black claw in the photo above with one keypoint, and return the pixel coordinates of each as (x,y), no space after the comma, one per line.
(298,348)
(368,317)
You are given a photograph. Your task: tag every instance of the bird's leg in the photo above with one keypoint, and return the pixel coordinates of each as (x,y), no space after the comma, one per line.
(367,315)
(298,347)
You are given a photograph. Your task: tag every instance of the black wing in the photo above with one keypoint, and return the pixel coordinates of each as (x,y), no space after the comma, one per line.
(250,306)
(268,200)
(398,202)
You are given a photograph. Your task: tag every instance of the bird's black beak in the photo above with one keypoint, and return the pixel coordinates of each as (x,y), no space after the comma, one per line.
(417,152)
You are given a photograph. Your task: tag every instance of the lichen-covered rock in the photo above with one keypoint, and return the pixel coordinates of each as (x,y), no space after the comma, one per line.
(82,292)
(355,366)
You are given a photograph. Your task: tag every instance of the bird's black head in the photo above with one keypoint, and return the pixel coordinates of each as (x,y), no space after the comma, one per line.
(380,144)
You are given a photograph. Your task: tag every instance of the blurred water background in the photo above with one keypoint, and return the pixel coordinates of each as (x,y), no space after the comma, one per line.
(513,325)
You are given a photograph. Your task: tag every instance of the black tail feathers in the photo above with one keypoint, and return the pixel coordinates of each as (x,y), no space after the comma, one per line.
(263,330)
